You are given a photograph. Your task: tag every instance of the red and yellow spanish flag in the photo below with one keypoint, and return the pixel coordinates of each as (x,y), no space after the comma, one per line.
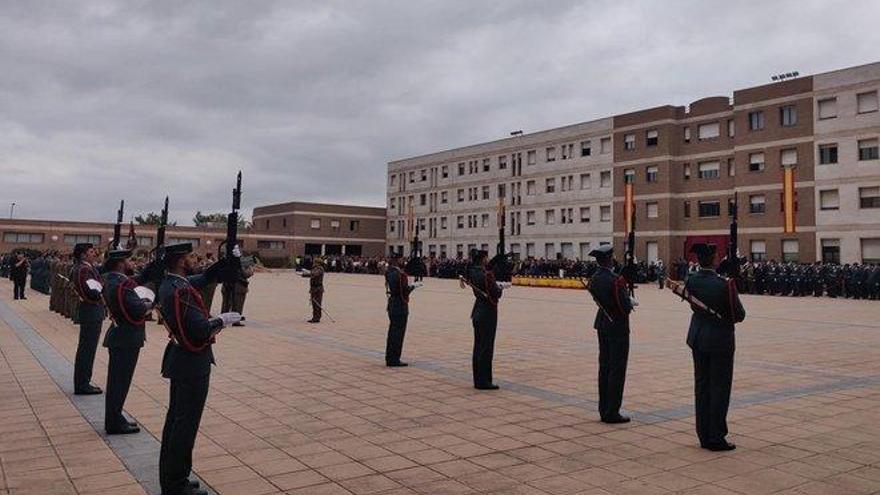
(788,200)
(629,206)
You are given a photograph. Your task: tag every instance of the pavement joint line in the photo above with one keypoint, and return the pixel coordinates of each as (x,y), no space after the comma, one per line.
(139,453)
(649,417)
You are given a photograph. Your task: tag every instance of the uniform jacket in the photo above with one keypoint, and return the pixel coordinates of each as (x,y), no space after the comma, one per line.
(127,310)
(485,282)
(707,333)
(610,291)
(397,283)
(192,330)
(316,280)
(91,308)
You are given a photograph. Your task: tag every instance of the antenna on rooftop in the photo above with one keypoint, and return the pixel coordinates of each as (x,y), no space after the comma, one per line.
(784,76)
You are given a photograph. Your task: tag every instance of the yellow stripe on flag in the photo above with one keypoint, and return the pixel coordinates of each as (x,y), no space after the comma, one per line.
(788,199)
(628,206)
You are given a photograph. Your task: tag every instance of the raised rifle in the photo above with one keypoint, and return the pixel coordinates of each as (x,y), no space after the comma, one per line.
(500,263)
(116,243)
(231,270)
(730,267)
(629,269)
(159,250)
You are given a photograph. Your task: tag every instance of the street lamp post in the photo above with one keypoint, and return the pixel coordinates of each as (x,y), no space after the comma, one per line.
(11,210)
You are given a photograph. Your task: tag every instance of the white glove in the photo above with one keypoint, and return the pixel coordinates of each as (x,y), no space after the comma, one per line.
(145,293)
(94,284)
(416,285)
(236,251)
(230,318)
(503,285)
(634,301)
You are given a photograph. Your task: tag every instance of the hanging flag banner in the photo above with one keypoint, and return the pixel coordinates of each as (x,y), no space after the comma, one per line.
(788,200)
(628,206)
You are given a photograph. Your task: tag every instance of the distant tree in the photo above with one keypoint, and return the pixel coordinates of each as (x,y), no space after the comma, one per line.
(151,218)
(202,220)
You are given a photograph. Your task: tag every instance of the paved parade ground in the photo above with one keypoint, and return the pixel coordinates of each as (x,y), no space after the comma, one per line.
(311,409)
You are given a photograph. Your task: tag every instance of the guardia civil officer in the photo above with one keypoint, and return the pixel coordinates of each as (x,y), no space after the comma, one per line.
(398,288)
(87,286)
(609,291)
(712,344)
(123,339)
(187,363)
(484,317)
(316,289)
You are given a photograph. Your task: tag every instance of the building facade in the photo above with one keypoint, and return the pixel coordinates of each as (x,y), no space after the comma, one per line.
(796,160)
(320,229)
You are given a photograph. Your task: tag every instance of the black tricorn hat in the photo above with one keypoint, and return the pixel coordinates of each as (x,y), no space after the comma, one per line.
(119,254)
(478,255)
(80,248)
(178,249)
(702,249)
(602,251)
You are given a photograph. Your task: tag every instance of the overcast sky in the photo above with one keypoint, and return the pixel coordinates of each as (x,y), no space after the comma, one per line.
(103,100)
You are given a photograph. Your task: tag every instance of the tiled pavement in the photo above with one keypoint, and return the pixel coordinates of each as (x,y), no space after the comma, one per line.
(296,408)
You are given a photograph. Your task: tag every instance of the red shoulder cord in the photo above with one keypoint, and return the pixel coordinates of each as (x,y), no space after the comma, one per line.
(120,300)
(619,283)
(490,279)
(79,286)
(201,305)
(403,285)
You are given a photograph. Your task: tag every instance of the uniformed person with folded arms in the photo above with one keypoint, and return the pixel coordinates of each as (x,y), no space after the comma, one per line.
(712,344)
(484,317)
(399,289)
(90,316)
(187,363)
(316,289)
(609,291)
(124,338)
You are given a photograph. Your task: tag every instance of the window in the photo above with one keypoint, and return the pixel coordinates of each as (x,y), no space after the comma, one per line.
(586,149)
(651,173)
(423,199)
(566,215)
(605,213)
(443,223)
(871,251)
(459,222)
(756,162)
(530,218)
(585,214)
(487,165)
(485,192)
(392,202)
(445,171)
(424,175)
(869,197)
(709,170)
(758,250)
(391,226)
(315,223)
(502,163)
(585,250)
(827,154)
(629,176)
(412,177)
(868,149)
(549,250)
(181,240)
(686,171)
(605,178)
(867,102)
(484,220)
(334,224)
(652,137)
(605,145)
(708,209)
(629,141)
(790,250)
(82,238)
(550,154)
(830,250)
(461,168)
(502,190)
(827,108)
(687,134)
(276,245)
(25,238)
(531,157)
(788,115)
(567,151)
(788,157)
(686,207)
(531,188)
(756,121)
(731,207)
(392,179)
(651,210)
(731,167)
(709,131)
(549,217)
(829,199)
(757,203)
(551,185)
(354,225)
(731,128)
(444,197)
(585,181)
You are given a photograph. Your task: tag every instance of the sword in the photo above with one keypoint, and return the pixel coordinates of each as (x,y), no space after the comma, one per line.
(586,283)
(679,290)
(463,281)
(316,303)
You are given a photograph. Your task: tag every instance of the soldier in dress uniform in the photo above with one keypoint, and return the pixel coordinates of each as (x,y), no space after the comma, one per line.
(187,363)
(316,289)
(398,288)
(609,291)
(484,317)
(18,274)
(90,315)
(712,344)
(123,339)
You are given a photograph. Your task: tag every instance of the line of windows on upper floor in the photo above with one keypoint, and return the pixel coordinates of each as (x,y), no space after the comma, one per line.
(550,154)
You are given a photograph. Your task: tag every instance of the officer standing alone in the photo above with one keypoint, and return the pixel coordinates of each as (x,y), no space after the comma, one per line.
(87,285)
(316,290)
(399,289)
(484,317)
(712,344)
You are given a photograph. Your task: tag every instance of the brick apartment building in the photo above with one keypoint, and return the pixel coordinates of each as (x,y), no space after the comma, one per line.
(798,157)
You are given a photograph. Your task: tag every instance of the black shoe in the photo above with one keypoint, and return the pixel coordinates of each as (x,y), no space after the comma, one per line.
(722,446)
(131,423)
(399,364)
(313,321)
(193,490)
(193,484)
(127,429)
(238,324)
(88,390)
(489,386)
(614,420)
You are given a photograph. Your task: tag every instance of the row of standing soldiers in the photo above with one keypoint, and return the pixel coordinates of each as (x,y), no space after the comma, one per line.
(855,281)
